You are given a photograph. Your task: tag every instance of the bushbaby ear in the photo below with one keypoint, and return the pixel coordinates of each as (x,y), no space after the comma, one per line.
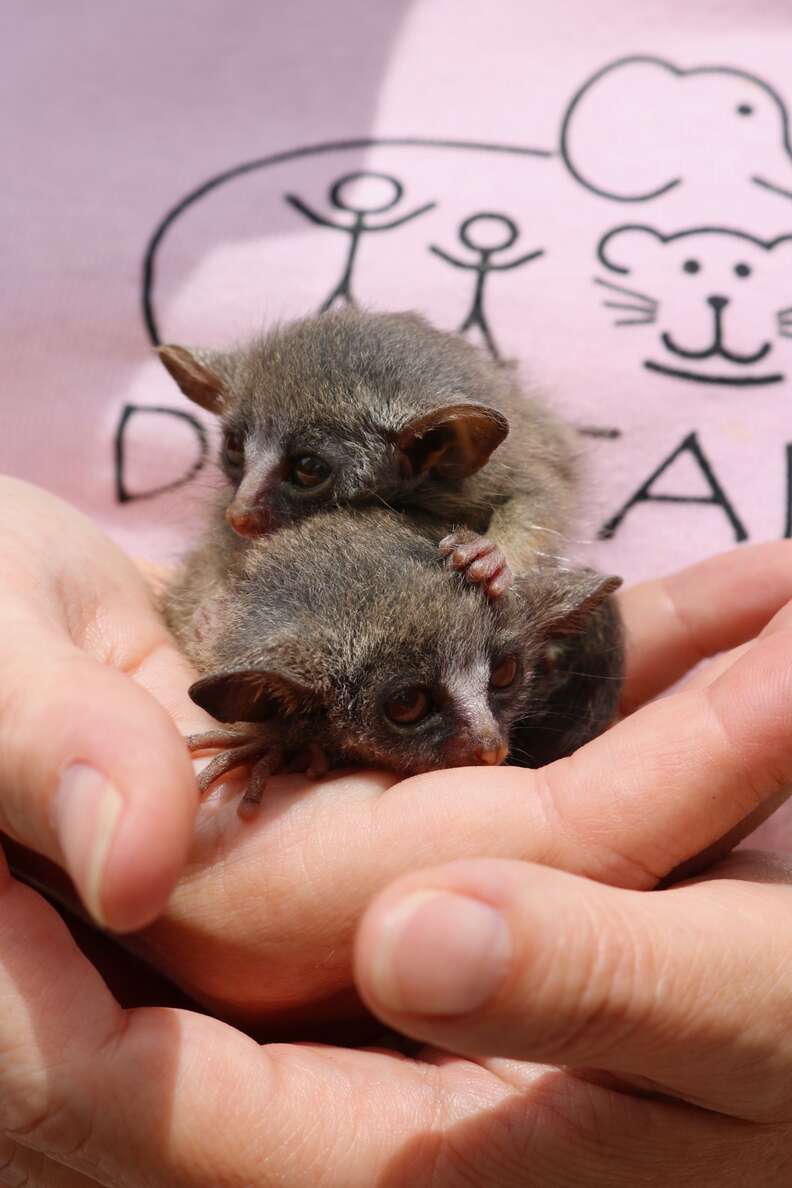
(454,441)
(198,375)
(561,603)
(578,594)
(250,696)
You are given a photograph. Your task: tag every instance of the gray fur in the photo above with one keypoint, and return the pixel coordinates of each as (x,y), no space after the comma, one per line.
(345,385)
(344,594)
(344,608)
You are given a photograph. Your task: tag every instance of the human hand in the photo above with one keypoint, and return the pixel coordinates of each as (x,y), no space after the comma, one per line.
(680,1000)
(377,1089)
(668,1013)
(93,772)
(282,894)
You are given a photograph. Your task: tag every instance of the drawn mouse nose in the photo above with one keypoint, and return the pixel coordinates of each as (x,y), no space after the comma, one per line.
(491,751)
(718,302)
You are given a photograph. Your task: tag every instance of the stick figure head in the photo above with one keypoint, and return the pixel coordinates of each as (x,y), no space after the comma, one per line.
(488,232)
(365,192)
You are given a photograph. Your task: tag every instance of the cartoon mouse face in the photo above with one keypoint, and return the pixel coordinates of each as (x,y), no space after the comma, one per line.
(722,300)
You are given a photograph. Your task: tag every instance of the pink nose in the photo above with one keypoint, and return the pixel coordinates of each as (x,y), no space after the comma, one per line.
(246,521)
(491,752)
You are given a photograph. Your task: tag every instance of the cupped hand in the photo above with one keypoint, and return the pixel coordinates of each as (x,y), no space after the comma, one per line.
(262,922)
(671,1007)
(263,917)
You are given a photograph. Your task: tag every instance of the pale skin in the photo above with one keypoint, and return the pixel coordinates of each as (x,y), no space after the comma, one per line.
(268,913)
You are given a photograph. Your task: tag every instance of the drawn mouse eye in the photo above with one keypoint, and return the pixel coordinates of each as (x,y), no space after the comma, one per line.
(308,471)
(742,270)
(233,449)
(408,706)
(692,266)
(745,109)
(504,673)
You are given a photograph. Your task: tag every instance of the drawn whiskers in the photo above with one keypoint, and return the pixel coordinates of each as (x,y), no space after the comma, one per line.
(785,322)
(641,304)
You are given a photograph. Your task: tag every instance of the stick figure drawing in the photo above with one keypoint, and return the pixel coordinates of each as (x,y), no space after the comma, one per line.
(485,248)
(359,226)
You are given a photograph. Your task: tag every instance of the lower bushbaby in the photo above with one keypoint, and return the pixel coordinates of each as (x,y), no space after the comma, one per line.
(346,639)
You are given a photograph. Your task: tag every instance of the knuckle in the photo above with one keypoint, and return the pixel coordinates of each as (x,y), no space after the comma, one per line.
(686,628)
(54,1132)
(603,988)
(561,826)
(38,1101)
(12,1169)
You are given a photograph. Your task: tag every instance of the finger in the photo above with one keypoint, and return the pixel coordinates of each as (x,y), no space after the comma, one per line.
(93,772)
(508,959)
(780,622)
(717,757)
(707,675)
(676,621)
(171,1099)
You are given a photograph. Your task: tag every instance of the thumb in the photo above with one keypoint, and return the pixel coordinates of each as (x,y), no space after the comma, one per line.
(499,958)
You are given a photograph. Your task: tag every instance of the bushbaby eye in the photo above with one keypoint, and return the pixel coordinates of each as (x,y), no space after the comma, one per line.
(308,471)
(408,706)
(233,449)
(742,270)
(691,266)
(504,673)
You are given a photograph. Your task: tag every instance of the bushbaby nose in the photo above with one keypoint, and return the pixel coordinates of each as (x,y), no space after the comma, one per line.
(717,301)
(491,751)
(247,521)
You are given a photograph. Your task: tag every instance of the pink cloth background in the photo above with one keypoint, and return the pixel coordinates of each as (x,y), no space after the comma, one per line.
(662,180)
(115,113)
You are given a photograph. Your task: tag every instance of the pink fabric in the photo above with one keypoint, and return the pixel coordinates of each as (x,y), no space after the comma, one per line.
(642,149)
(117,112)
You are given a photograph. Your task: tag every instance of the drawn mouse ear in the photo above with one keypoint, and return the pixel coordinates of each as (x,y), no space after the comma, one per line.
(199,374)
(453,441)
(253,695)
(630,247)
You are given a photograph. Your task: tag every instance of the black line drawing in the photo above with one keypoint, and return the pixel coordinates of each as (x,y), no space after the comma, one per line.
(697,255)
(609,260)
(734,381)
(160,232)
(605,432)
(658,93)
(641,304)
(484,265)
(171,217)
(123,494)
(718,497)
(784,322)
(359,225)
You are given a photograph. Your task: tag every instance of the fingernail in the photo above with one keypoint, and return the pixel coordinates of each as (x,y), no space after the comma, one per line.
(85,813)
(440,954)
